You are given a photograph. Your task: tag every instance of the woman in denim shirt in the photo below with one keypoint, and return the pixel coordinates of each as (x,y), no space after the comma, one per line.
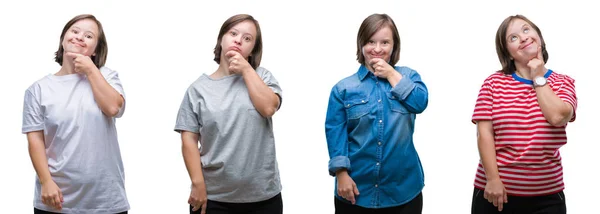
(369,127)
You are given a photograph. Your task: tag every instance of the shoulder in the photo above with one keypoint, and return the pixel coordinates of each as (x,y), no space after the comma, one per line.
(261,71)
(558,77)
(496,77)
(36,87)
(405,70)
(351,81)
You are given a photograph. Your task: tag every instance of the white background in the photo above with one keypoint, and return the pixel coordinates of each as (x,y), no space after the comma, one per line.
(160,47)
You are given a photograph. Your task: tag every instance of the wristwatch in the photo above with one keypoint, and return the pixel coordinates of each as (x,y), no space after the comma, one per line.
(539,81)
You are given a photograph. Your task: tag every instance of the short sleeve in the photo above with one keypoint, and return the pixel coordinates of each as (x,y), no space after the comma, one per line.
(271,82)
(483,105)
(566,92)
(112,77)
(188,116)
(33,116)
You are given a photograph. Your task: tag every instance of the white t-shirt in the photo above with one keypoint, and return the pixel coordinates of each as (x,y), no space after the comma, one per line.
(83,152)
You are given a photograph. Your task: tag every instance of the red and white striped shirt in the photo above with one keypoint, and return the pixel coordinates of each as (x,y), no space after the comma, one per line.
(528,159)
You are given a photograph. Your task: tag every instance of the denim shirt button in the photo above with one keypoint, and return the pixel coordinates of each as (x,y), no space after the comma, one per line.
(376,185)
(379,100)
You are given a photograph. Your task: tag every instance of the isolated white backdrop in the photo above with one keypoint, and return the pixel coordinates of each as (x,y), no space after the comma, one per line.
(160,47)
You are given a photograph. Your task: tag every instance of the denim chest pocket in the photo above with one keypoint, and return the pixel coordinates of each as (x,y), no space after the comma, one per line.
(395,104)
(357,107)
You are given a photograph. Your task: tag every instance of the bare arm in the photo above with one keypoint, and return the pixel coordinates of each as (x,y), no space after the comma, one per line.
(191,156)
(494,189)
(487,149)
(108,99)
(37,152)
(556,111)
(51,193)
(263,98)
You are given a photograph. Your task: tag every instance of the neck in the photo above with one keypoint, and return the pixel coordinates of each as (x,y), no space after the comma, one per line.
(523,71)
(66,68)
(222,71)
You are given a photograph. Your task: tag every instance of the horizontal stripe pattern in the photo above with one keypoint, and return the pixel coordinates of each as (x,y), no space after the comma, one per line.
(528,159)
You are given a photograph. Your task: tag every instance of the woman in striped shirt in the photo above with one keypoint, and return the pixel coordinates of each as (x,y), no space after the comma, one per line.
(521,115)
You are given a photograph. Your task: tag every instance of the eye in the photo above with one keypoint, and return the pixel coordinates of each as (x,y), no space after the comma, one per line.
(371,42)
(233,33)
(247,39)
(513,38)
(89,36)
(526,30)
(386,42)
(75,31)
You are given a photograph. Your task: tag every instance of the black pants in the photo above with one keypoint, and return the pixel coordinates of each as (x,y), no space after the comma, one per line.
(547,204)
(271,206)
(38,211)
(414,206)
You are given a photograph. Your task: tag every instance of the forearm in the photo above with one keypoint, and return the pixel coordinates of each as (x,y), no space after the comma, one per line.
(487,149)
(108,99)
(556,111)
(263,98)
(191,157)
(37,153)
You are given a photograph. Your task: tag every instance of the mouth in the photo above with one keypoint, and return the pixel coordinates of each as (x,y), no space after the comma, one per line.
(235,49)
(527,45)
(77,44)
(376,56)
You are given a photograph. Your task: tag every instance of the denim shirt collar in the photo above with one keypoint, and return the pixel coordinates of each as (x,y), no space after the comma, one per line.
(363,72)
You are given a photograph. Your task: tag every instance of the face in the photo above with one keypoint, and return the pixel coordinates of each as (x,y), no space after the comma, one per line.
(240,38)
(82,37)
(522,41)
(380,45)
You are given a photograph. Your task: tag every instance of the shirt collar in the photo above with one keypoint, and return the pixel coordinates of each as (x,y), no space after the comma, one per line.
(363,72)
(526,81)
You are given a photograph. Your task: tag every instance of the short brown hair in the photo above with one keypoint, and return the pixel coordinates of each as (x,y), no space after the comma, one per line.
(256,54)
(370,26)
(508,64)
(99,57)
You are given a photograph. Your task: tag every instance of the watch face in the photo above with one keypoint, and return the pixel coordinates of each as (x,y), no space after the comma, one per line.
(540,81)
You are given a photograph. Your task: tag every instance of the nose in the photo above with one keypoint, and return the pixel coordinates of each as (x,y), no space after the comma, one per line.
(238,40)
(378,48)
(79,37)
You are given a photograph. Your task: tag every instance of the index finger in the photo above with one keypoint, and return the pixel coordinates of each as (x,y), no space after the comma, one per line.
(73,55)
(231,53)
(540,56)
(351,197)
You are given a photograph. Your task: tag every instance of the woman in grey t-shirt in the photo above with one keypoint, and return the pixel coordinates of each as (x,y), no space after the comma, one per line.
(229,112)
(69,119)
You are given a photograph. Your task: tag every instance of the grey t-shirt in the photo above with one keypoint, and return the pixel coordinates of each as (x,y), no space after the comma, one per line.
(83,152)
(237,144)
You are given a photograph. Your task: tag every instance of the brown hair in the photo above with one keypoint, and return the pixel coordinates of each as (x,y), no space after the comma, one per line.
(99,57)
(256,54)
(370,26)
(508,64)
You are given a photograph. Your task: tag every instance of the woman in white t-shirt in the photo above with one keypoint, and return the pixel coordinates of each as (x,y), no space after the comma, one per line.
(69,119)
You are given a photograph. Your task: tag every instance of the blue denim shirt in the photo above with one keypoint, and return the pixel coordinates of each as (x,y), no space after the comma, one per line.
(369,129)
